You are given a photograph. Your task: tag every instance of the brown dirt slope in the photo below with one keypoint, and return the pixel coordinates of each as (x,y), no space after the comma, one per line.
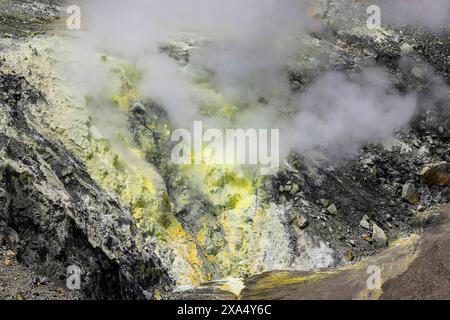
(413,268)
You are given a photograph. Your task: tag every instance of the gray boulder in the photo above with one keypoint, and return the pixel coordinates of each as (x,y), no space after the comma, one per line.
(378,237)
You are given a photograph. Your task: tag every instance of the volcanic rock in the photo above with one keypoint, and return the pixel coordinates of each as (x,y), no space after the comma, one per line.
(436,173)
(378,237)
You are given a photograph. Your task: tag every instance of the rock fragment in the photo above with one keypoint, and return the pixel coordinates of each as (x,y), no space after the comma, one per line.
(409,194)
(378,237)
(332,209)
(436,174)
(301,221)
(295,189)
(365,223)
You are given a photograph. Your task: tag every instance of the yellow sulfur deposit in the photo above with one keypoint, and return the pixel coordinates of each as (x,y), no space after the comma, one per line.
(225,238)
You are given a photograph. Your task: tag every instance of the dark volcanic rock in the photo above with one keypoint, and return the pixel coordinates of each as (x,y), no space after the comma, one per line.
(54,215)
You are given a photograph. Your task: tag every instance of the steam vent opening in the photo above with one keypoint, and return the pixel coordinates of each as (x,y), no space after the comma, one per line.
(224,150)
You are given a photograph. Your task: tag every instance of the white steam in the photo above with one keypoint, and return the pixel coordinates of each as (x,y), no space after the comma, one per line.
(248,43)
(245,46)
(340,114)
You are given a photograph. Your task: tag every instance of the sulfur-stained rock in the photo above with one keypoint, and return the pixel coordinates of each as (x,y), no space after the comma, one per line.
(19,296)
(301,221)
(332,209)
(436,173)
(350,255)
(295,189)
(60,215)
(7,262)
